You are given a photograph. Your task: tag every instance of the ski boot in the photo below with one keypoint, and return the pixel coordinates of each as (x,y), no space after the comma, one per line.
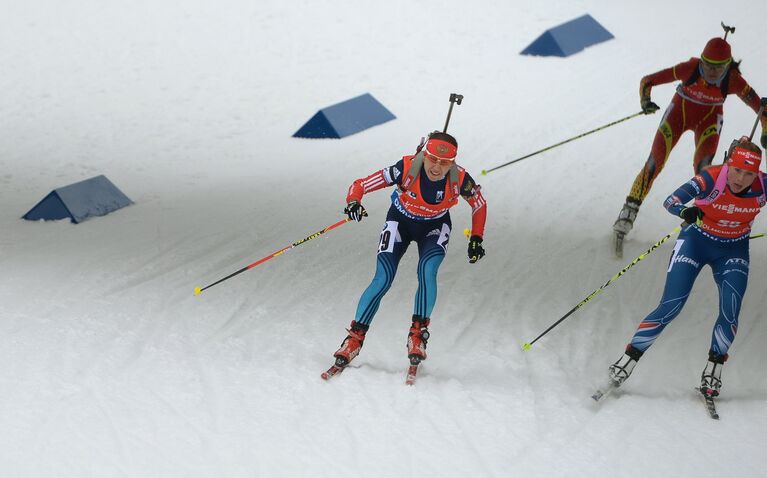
(622,368)
(624,223)
(416,339)
(711,378)
(351,345)
(619,372)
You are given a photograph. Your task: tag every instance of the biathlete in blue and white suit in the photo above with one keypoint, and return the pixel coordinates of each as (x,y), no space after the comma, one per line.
(727,198)
(428,184)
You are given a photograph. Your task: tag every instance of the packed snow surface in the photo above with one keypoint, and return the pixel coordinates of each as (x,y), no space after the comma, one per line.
(111,367)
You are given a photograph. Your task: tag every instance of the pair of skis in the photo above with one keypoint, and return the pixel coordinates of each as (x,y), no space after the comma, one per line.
(706,396)
(336,369)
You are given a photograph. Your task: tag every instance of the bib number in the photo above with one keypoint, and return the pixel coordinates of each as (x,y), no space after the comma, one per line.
(388,237)
(726,223)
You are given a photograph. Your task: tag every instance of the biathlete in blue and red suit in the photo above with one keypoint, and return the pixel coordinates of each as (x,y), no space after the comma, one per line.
(727,198)
(428,184)
(705,83)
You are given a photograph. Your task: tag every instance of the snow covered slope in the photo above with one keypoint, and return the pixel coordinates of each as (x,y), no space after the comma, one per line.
(110,366)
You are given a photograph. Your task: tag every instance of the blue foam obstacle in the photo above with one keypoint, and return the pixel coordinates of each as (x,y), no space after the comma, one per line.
(96,196)
(345,118)
(568,38)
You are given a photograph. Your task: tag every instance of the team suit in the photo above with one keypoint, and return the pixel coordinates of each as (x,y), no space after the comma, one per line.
(418,214)
(721,241)
(716,234)
(696,106)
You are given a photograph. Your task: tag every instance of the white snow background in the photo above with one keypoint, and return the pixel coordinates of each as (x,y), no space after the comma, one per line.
(111,367)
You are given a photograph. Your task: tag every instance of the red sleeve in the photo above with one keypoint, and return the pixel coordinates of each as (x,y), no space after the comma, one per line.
(478,213)
(678,72)
(365,185)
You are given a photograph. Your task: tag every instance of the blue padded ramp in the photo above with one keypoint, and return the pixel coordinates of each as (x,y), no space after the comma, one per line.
(345,118)
(569,38)
(96,196)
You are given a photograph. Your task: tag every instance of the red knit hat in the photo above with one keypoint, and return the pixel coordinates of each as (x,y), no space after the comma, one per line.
(745,159)
(442,145)
(717,51)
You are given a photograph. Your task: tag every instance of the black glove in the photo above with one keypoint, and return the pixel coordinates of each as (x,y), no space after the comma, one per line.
(355,211)
(691,215)
(476,251)
(648,107)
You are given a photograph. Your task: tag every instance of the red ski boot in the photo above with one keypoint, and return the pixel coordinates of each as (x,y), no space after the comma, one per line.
(351,345)
(416,339)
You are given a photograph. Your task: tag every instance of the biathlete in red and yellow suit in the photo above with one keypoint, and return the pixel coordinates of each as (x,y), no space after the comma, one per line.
(428,184)
(727,198)
(697,107)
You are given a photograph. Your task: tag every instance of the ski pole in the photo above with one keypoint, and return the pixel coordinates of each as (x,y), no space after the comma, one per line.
(762,104)
(485,171)
(527,345)
(198,290)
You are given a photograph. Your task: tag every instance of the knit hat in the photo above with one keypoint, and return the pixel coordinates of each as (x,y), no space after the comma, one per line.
(744,159)
(717,51)
(442,146)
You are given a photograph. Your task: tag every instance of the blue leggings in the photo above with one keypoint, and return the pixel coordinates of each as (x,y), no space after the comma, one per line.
(432,238)
(729,264)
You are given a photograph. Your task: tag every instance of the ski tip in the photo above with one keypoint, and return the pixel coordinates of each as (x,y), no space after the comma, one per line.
(197,291)
(597,396)
(526,346)
(467,232)
(331,372)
